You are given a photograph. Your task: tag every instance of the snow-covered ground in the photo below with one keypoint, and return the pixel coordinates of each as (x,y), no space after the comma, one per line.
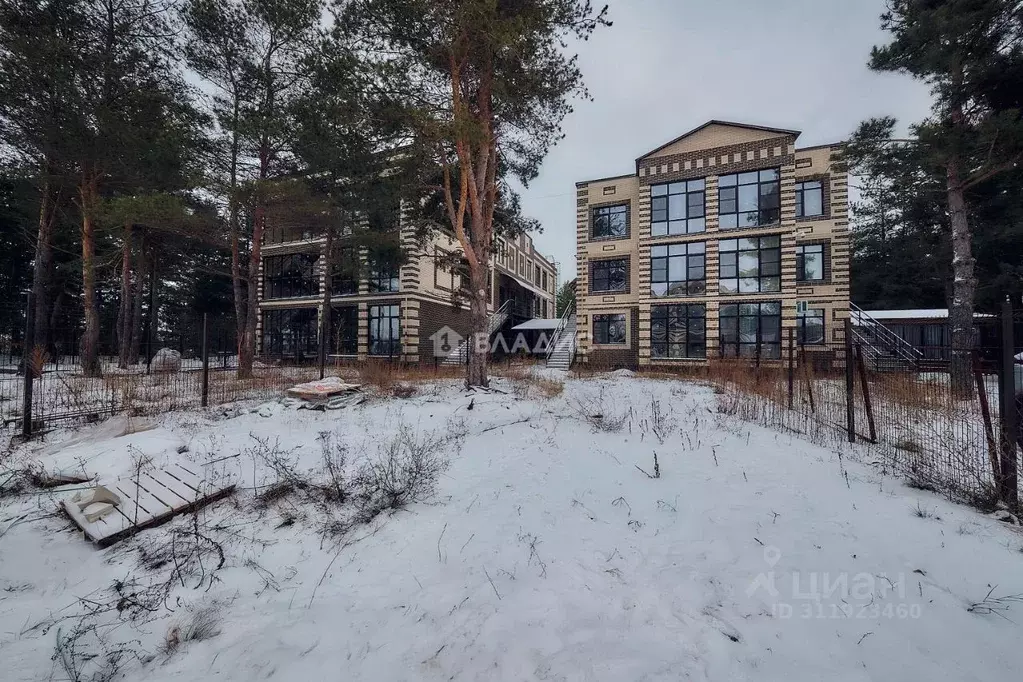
(549,551)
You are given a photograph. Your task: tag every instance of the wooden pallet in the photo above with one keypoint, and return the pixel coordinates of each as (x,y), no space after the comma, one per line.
(145,500)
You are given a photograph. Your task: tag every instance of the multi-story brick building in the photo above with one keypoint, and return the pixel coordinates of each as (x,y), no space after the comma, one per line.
(716,245)
(385,311)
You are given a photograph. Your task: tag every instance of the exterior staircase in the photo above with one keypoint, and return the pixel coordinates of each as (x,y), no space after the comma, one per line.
(882,349)
(460,355)
(561,349)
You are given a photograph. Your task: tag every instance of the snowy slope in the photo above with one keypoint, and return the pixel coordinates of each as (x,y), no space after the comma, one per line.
(545,554)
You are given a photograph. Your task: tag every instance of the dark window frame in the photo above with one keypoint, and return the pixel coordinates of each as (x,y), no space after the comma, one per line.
(801,189)
(606,278)
(602,327)
(291,275)
(693,346)
(802,316)
(731,342)
(384,278)
(344,333)
(290,333)
(388,345)
(732,258)
(801,262)
(344,280)
(661,223)
(622,208)
(661,261)
(729,198)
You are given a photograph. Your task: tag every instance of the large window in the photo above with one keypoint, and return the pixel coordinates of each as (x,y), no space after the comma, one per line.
(810,263)
(678,269)
(291,333)
(750,266)
(751,330)
(344,337)
(809,199)
(290,276)
(678,331)
(610,222)
(383,277)
(609,275)
(345,279)
(809,326)
(384,330)
(278,234)
(609,330)
(749,199)
(677,208)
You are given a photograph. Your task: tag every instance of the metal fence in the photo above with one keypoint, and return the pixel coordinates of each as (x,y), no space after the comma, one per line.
(56,390)
(961,443)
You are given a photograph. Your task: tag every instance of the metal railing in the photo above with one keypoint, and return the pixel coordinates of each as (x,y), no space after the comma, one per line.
(559,331)
(878,341)
(460,355)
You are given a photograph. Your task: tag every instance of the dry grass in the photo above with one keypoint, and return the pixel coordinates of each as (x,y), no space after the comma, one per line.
(390,377)
(527,384)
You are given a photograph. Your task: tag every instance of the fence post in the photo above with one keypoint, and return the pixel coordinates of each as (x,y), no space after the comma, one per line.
(792,364)
(850,405)
(26,362)
(152,317)
(985,413)
(865,386)
(205,364)
(1007,404)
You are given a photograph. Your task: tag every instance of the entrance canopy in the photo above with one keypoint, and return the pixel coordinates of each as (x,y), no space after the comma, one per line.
(537,324)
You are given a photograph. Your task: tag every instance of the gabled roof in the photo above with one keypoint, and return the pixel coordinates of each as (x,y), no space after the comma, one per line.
(779,131)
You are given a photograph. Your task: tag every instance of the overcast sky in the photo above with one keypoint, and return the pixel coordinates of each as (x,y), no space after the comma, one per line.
(667,66)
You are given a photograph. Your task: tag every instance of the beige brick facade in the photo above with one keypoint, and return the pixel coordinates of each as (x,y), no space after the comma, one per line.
(708,153)
(428,294)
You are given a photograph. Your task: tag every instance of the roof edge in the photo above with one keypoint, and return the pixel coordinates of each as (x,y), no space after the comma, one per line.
(716,121)
(580,183)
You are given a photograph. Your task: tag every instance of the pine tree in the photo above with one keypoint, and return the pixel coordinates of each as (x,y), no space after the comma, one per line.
(481,86)
(256,53)
(959,47)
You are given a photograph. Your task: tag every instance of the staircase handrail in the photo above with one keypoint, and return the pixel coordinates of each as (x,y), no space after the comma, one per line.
(500,314)
(559,330)
(894,343)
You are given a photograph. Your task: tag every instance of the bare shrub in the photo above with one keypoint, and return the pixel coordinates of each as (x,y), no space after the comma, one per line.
(603,413)
(275,492)
(991,605)
(82,653)
(191,553)
(203,623)
(279,461)
(335,457)
(403,390)
(406,471)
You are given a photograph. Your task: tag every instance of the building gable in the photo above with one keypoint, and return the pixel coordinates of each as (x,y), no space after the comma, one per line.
(714,134)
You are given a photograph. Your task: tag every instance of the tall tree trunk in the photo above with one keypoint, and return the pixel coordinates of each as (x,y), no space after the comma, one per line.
(43,261)
(124,309)
(964,285)
(247,350)
(479,341)
(136,311)
(236,256)
(90,339)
